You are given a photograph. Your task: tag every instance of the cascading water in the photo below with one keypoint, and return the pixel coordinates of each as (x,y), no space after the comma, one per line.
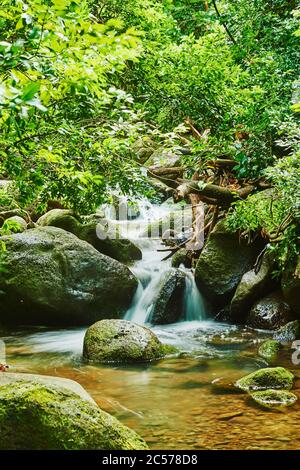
(194,308)
(151,269)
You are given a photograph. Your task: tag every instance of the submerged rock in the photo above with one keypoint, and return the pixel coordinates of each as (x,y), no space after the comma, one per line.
(291,286)
(121,341)
(270,313)
(252,286)
(222,263)
(269,349)
(263,379)
(289,332)
(222,386)
(52,277)
(274,399)
(93,232)
(40,416)
(167,307)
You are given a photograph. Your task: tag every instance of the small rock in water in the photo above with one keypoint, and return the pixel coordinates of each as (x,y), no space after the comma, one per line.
(122,341)
(274,399)
(222,386)
(269,349)
(264,379)
(228,416)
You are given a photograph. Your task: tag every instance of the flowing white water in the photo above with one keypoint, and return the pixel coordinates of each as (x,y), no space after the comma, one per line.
(194,307)
(151,269)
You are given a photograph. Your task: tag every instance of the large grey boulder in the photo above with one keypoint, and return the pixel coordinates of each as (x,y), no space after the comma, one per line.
(270,313)
(93,232)
(37,414)
(51,277)
(253,286)
(222,263)
(168,303)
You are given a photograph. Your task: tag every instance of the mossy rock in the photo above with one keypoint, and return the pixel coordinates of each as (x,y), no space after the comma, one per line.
(37,416)
(61,218)
(269,349)
(253,286)
(274,399)
(122,341)
(181,257)
(168,303)
(222,263)
(264,379)
(20,224)
(50,277)
(109,243)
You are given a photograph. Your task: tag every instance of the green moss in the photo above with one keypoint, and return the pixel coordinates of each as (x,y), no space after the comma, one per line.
(36,416)
(168,350)
(121,249)
(274,399)
(269,349)
(263,379)
(122,341)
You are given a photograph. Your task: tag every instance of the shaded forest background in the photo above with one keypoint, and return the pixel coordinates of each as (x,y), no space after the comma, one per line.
(89,88)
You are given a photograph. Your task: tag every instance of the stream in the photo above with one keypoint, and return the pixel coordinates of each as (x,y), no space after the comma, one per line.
(174,403)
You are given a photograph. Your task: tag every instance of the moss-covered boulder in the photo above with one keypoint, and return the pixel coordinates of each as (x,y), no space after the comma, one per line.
(253,286)
(291,286)
(61,218)
(270,312)
(35,416)
(121,341)
(50,277)
(274,399)
(168,303)
(289,332)
(222,264)
(264,379)
(16,223)
(182,257)
(94,232)
(269,349)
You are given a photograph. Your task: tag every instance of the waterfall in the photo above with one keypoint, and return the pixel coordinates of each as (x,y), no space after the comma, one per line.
(151,269)
(194,308)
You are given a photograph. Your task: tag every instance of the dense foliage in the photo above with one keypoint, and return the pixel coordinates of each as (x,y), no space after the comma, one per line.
(81,81)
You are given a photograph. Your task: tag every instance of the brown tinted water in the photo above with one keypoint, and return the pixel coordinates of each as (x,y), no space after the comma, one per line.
(171,403)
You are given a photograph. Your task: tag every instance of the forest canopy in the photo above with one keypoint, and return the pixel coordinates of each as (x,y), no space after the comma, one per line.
(83,83)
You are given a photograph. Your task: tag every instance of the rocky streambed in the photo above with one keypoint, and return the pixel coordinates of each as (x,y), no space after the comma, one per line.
(174,374)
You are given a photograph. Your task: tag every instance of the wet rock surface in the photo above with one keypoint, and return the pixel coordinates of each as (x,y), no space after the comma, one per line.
(270,313)
(53,278)
(121,341)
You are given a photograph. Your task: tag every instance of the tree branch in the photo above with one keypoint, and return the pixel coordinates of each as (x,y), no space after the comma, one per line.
(223,196)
